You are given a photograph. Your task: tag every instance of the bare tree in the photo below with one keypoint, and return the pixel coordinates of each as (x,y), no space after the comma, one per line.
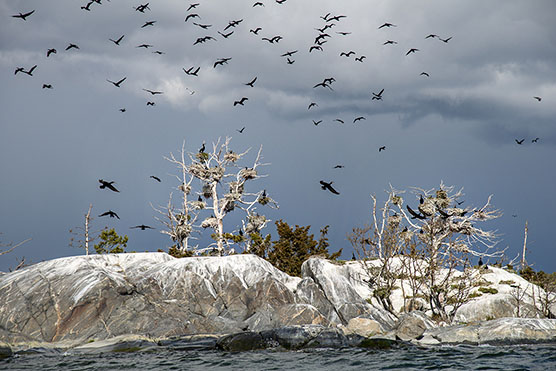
(4,249)
(223,189)
(82,237)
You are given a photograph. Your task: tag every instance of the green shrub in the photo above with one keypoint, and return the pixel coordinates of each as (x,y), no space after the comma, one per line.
(111,242)
(488,290)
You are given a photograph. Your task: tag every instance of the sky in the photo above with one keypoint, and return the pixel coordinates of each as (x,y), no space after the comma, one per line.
(458,125)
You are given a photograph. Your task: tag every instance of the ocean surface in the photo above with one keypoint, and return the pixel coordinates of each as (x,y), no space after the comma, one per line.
(461,357)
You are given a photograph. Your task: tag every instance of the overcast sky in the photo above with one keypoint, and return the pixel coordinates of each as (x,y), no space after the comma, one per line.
(459,125)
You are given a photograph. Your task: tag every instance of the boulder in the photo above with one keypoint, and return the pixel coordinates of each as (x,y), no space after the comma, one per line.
(5,350)
(118,344)
(412,325)
(487,307)
(241,342)
(363,326)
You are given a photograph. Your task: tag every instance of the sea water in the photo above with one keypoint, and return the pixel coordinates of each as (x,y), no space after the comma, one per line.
(460,357)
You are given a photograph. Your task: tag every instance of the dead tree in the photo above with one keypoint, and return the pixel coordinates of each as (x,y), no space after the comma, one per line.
(83,236)
(6,248)
(222,189)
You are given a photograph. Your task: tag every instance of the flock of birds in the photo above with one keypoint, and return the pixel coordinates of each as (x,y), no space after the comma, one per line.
(192,16)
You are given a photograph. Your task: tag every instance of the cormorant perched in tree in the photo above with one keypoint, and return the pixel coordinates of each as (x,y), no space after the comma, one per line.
(480,262)
(202,149)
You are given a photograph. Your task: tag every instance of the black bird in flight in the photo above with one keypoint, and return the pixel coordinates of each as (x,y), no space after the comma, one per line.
(226,35)
(192,6)
(117,84)
(431,36)
(148,23)
(360,59)
(233,24)
(30,72)
(221,62)
(240,130)
(192,15)
(339,120)
(258,3)
(252,82)
(88,6)
(315,47)
(23,15)
(412,50)
(141,227)
(289,54)
(50,51)
(122,109)
(158,52)
(445,40)
(535,140)
(201,40)
(460,202)
(387,25)
(378,96)
(155,178)
(109,213)
(343,33)
(280,1)
(311,105)
(46,86)
(241,101)
(328,186)
(415,215)
(336,18)
(383,148)
(256,30)
(153,92)
(519,141)
(316,123)
(358,119)
(290,61)
(117,42)
(72,46)
(105,184)
(338,167)
(538,98)
(146,46)
(141,8)
(190,71)
(203,26)
(151,103)
(390,42)
(424,74)
(347,54)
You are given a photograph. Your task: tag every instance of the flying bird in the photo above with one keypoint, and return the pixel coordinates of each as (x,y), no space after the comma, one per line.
(203,26)
(221,62)
(387,25)
(88,6)
(415,215)
(390,42)
(290,61)
(241,101)
(21,69)
(339,120)
(46,86)
(343,33)
(328,186)
(378,96)
(151,103)
(338,167)
(122,110)
(316,123)
(153,92)
(445,40)
(155,178)
(383,148)
(360,59)
(258,3)
(240,130)
(226,35)
(347,54)
(109,213)
(538,98)
(190,71)
(535,140)
(311,105)
(141,227)
(315,47)
(289,54)
(192,15)
(424,74)
(146,46)
(72,46)
(431,36)
(148,23)
(50,51)
(358,119)
(23,15)
(117,41)
(412,50)
(256,30)
(117,84)
(192,6)
(104,184)
(519,141)
(252,82)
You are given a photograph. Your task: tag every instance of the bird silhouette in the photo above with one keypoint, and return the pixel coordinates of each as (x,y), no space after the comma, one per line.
(339,120)
(377,96)
(445,40)
(387,25)
(21,69)
(290,61)
(23,15)
(383,148)
(233,24)
(192,15)
(519,141)
(72,46)
(155,178)
(388,42)
(343,33)
(204,39)
(153,92)
(117,84)
(360,59)
(241,101)
(412,50)
(358,119)
(538,98)
(203,26)
(109,213)
(316,122)
(226,35)
(328,186)
(347,54)
(338,167)
(202,149)
(252,82)
(141,8)
(151,103)
(256,30)
(289,54)
(104,184)
(141,227)
(50,51)
(311,105)
(431,36)
(148,23)
(315,47)
(190,71)
(146,46)
(221,62)
(122,109)
(46,86)
(117,41)
(192,6)
(415,215)
(88,6)
(240,130)
(258,3)
(535,140)
(424,74)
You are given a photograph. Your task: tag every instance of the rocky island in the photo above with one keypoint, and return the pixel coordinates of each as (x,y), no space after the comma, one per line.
(114,302)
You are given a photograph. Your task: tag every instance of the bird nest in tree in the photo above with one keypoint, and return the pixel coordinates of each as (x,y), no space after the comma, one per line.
(207,191)
(210,222)
(185,188)
(202,156)
(228,205)
(427,207)
(211,174)
(442,200)
(248,173)
(198,205)
(394,220)
(231,156)
(397,200)
(464,227)
(255,223)
(264,200)
(183,231)
(232,196)
(460,247)
(236,187)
